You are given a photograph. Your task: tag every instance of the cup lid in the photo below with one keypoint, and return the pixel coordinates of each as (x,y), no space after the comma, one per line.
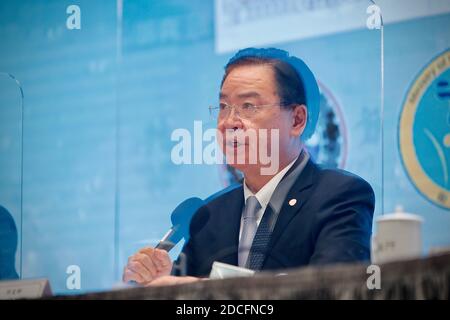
(399,214)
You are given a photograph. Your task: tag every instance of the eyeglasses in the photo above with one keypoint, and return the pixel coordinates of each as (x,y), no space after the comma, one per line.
(244,111)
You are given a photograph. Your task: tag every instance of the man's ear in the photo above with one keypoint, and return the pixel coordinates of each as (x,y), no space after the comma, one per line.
(299,119)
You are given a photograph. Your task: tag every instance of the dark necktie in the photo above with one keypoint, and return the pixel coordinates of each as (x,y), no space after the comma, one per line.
(261,239)
(262,236)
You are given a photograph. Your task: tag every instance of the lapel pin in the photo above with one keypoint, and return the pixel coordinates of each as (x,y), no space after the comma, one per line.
(292,202)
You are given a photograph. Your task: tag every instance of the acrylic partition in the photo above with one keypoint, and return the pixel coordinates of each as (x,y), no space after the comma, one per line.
(11,218)
(172,62)
(68,77)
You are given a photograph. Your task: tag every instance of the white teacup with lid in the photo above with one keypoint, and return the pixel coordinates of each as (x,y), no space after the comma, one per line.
(398,237)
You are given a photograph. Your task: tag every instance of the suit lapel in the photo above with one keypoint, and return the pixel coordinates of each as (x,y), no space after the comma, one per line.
(230,216)
(300,191)
(228,227)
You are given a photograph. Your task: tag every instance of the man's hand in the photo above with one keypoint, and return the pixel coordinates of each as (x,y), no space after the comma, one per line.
(147,265)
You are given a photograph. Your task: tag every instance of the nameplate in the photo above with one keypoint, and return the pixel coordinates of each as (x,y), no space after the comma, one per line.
(24,289)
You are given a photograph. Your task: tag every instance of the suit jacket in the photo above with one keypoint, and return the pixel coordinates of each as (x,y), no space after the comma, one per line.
(331,222)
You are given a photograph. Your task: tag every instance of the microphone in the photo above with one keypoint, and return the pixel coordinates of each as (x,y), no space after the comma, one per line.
(181,219)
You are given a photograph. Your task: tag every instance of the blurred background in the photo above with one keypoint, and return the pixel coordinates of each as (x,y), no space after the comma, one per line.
(91,92)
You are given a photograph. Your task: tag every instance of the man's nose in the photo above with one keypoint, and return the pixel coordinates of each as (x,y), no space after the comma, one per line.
(232,121)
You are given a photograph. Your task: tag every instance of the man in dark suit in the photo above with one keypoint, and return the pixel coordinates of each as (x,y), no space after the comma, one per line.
(295,215)
(330,221)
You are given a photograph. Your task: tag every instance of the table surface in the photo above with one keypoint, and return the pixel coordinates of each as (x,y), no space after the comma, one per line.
(426,278)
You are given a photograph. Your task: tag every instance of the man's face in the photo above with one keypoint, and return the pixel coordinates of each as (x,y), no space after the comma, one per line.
(254,84)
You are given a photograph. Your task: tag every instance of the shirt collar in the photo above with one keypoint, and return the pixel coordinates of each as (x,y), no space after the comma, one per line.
(265,193)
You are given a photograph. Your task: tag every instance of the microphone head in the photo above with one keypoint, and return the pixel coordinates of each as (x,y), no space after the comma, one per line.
(181,218)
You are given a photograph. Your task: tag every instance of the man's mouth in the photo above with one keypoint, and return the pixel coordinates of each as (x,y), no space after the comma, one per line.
(234,143)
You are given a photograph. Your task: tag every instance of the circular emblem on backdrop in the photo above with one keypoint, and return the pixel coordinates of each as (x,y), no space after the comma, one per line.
(327,146)
(424,131)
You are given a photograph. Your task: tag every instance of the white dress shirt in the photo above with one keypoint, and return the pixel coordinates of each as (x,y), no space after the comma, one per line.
(264,194)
